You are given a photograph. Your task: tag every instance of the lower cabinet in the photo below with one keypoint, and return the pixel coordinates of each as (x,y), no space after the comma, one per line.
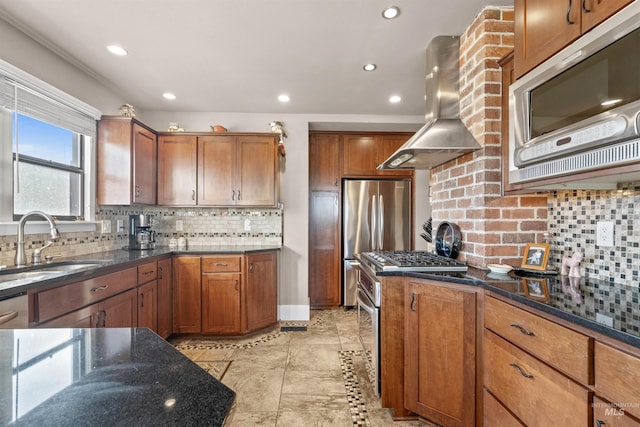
(148,306)
(617,379)
(224,294)
(165,308)
(440,353)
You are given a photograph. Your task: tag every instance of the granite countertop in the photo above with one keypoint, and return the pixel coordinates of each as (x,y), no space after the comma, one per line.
(610,309)
(106,262)
(117,376)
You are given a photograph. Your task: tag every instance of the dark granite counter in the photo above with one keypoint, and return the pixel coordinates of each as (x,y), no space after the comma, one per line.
(115,377)
(610,309)
(105,262)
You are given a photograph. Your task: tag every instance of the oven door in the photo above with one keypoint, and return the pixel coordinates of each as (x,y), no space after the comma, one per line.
(369,334)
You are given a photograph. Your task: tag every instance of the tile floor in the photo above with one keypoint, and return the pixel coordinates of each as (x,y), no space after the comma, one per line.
(317,377)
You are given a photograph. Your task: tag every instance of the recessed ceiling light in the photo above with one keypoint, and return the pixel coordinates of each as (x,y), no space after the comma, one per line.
(369,67)
(283,98)
(391,12)
(395,99)
(168,95)
(117,50)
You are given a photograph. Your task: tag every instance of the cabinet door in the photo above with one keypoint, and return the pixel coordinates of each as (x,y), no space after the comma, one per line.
(221,303)
(390,143)
(360,154)
(186,295)
(596,11)
(440,347)
(120,311)
(256,171)
(148,306)
(144,166)
(324,162)
(542,28)
(608,415)
(165,312)
(262,290)
(216,164)
(177,162)
(324,249)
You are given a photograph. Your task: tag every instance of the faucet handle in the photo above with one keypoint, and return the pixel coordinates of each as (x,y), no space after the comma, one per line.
(35,256)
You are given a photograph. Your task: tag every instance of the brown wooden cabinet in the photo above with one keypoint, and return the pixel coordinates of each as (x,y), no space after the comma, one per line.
(617,379)
(325,171)
(363,153)
(221,281)
(165,296)
(606,414)
(261,284)
(126,162)
(148,295)
(544,27)
(187,295)
(217,170)
(440,352)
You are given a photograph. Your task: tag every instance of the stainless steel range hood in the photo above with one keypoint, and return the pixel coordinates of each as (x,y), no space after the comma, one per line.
(444,137)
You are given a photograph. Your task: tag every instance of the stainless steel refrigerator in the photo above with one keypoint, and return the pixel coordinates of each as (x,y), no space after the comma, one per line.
(376,216)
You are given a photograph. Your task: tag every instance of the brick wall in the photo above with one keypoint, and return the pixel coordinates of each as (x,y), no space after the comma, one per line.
(467,190)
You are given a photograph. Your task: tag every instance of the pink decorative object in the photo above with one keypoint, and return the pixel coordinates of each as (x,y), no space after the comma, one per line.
(572,264)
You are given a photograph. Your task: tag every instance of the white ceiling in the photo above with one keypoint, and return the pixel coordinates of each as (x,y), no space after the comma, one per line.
(239,55)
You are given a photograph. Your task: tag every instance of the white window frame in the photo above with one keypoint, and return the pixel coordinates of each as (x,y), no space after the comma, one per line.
(13,75)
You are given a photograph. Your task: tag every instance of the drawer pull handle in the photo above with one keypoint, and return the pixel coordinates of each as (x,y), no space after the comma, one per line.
(600,423)
(221,264)
(5,317)
(148,272)
(569,21)
(99,288)
(413,300)
(585,10)
(522,372)
(523,330)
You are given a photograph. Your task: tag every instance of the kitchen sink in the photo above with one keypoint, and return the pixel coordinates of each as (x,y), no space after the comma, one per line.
(45,271)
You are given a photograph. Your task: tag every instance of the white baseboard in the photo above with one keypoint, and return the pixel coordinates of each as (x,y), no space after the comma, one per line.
(293,313)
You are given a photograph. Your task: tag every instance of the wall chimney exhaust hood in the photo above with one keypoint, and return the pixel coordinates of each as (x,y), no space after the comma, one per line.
(444,137)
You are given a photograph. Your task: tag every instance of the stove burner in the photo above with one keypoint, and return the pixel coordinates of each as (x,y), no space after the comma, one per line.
(413,261)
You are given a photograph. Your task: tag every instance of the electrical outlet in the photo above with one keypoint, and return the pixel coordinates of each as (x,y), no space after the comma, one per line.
(604,319)
(179,225)
(120,226)
(106,226)
(604,233)
(247,225)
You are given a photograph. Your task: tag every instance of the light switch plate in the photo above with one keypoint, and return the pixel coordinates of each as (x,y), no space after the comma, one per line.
(604,233)
(179,225)
(247,225)
(119,225)
(106,226)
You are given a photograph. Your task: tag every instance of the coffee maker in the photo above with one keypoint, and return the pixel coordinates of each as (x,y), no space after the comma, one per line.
(141,236)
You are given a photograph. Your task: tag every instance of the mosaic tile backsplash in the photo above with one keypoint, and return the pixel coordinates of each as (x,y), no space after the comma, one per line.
(573,216)
(201,226)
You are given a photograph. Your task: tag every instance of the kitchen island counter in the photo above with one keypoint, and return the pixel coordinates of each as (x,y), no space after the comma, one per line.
(117,376)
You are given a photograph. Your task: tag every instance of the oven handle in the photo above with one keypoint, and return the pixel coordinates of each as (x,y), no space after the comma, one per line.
(365,303)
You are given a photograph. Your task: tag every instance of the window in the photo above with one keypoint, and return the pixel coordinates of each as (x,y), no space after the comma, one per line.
(48,169)
(46,153)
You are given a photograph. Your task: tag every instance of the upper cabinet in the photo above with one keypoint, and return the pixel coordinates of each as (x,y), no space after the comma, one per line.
(362,153)
(217,170)
(544,27)
(126,162)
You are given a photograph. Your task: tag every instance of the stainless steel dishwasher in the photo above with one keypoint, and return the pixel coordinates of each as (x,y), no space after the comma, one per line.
(14,311)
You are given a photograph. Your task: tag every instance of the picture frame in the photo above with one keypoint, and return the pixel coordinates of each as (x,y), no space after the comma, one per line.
(536,256)
(536,289)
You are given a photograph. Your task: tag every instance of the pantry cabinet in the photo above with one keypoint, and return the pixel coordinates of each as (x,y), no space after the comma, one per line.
(537,39)
(126,162)
(440,352)
(217,170)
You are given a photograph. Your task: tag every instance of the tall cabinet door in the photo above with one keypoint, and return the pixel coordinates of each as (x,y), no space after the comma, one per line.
(324,251)
(216,163)
(256,171)
(144,166)
(177,162)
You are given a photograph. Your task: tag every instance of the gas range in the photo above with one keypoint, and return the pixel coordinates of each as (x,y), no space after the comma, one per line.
(419,261)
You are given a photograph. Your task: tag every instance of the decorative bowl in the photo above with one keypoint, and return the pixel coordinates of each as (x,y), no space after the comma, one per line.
(218,128)
(499,268)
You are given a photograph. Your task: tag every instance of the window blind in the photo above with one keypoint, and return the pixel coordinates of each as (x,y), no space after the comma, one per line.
(32,97)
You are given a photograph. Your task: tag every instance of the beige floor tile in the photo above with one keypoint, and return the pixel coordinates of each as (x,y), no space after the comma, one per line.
(251,419)
(216,369)
(272,357)
(256,390)
(318,336)
(335,418)
(313,382)
(313,402)
(316,357)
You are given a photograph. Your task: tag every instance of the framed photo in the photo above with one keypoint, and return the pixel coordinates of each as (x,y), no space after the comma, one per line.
(536,256)
(536,289)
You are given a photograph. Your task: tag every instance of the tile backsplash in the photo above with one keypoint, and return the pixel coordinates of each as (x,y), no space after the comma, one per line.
(200,226)
(573,217)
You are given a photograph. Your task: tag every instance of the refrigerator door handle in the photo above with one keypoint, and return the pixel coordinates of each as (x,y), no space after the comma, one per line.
(374,224)
(380,222)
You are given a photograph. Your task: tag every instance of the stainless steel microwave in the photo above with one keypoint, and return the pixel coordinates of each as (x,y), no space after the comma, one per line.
(580,109)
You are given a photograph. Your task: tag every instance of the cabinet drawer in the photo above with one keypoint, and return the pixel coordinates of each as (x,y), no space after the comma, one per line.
(67,298)
(564,349)
(221,264)
(536,393)
(497,415)
(147,272)
(617,377)
(605,414)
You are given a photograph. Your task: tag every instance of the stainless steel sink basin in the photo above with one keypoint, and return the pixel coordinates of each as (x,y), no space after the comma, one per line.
(45,271)
(69,267)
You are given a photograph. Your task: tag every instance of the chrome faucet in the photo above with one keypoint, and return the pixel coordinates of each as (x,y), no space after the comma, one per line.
(21,258)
